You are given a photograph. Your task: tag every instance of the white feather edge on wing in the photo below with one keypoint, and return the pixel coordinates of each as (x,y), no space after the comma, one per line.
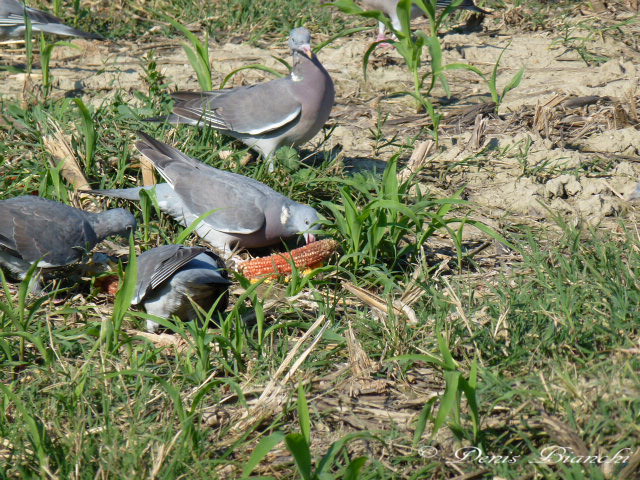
(216,121)
(12,21)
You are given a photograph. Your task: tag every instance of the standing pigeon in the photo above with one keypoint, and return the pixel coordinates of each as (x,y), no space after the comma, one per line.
(34,229)
(390,8)
(12,24)
(285,111)
(244,213)
(171,277)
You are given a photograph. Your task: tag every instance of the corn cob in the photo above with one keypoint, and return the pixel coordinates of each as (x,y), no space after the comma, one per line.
(277,264)
(108,284)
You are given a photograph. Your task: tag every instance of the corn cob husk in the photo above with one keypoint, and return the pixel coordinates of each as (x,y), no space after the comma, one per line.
(278,264)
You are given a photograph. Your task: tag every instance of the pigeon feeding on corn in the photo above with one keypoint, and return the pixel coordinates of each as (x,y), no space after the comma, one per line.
(390,8)
(287,111)
(242,212)
(34,229)
(172,278)
(12,22)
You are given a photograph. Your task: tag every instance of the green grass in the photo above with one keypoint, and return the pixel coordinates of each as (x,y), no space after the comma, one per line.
(221,20)
(560,349)
(510,354)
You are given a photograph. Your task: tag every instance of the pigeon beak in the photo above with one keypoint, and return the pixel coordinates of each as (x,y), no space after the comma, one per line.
(309,238)
(307,51)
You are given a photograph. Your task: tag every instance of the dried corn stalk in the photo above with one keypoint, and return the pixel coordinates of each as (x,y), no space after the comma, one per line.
(281,263)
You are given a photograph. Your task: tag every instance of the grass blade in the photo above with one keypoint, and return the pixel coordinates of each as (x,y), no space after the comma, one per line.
(191,228)
(90,137)
(110,331)
(352,472)
(261,451)
(299,448)
(303,415)
(255,66)
(421,424)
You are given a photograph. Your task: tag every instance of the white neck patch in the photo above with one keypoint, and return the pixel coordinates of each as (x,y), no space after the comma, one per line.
(295,77)
(285,215)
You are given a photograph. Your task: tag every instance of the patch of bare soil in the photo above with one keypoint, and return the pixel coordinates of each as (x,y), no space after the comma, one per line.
(566,140)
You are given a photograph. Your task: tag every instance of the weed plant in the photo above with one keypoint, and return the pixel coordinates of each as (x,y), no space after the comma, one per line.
(411,44)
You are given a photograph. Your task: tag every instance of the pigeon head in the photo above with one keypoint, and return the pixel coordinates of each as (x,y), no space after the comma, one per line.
(300,41)
(117,221)
(302,219)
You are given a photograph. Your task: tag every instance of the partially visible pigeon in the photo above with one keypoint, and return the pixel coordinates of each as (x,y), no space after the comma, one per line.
(12,23)
(286,111)
(245,213)
(390,8)
(171,277)
(34,229)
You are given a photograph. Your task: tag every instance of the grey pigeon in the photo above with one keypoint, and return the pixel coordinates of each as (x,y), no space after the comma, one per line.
(247,213)
(12,24)
(285,111)
(171,277)
(34,229)
(390,8)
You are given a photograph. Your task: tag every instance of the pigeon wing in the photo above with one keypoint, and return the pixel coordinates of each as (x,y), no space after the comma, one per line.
(238,200)
(11,13)
(38,17)
(239,208)
(45,22)
(157,265)
(14,16)
(252,110)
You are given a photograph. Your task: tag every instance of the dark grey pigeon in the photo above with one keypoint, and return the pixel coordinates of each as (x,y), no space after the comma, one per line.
(246,213)
(171,277)
(390,9)
(34,229)
(12,24)
(287,111)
